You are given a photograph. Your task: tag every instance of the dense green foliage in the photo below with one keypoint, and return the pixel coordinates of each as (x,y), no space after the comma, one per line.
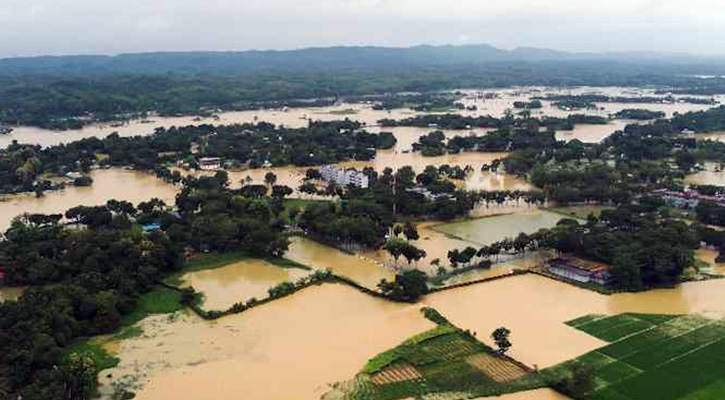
(639,114)
(21,166)
(89,279)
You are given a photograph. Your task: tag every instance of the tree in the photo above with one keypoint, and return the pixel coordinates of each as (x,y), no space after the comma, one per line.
(270,178)
(408,286)
(222,177)
(501,337)
(410,231)
(395,248)
(313,174)
(453,257)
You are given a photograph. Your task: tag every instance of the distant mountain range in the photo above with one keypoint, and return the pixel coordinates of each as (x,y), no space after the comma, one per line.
(376,58)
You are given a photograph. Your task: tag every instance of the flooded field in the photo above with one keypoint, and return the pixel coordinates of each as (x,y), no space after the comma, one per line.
(108,184)
(298,117)
(535,309)
(712,175)
(10,293)
(484,231)
(238,282)
(290,349)
(363,270)
(336,329)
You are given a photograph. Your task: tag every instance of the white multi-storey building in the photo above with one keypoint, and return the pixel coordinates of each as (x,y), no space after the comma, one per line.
(344,177)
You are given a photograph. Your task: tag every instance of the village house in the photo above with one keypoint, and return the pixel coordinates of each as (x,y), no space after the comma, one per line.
(210,163)
(344,177)
(579,270)
(430,196)
(687,199)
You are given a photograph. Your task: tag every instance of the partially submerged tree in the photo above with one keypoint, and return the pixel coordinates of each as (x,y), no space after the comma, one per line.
(501,337)
(408,286)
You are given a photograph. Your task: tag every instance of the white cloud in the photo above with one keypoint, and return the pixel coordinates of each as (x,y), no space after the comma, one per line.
(112,26)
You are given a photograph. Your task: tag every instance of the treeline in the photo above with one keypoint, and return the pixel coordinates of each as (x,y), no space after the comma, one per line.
(246,144)
(62,93)
(589,99)
(459,122)
(418,102)
(83,280)
(639,114)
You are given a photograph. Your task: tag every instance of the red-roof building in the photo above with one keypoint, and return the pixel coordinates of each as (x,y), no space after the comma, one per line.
(579,270)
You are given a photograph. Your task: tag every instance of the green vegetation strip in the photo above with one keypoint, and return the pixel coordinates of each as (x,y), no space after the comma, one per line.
(659,357)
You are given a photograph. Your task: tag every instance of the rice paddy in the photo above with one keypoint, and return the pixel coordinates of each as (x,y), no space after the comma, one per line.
(661,357)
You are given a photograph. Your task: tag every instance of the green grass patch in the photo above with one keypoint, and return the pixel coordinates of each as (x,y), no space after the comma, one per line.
(289,204)
(159,301)
(347,111)
(388,357)
(128,333)
(584,320)
(101,357)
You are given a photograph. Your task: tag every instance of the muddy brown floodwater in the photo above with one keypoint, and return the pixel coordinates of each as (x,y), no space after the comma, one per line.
(108,184)
(290,349)
(538,394)
(298,117)
(10,293)
(535,309)
(361,269)
(238,282)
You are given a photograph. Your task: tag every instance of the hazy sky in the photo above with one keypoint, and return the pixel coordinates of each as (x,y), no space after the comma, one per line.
(32,27)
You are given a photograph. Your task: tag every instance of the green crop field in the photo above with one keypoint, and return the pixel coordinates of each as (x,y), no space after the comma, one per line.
(444,363)
(653,357)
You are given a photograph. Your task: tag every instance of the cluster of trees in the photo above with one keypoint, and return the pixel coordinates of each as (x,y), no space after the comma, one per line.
(460,122)
(398,247)
(600,98)
(83,281)
(407,286)
(639,114)
(319,143)
(423,102)
(710,213)
(365,216)
(530,105)
(711,120)
(644,247)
